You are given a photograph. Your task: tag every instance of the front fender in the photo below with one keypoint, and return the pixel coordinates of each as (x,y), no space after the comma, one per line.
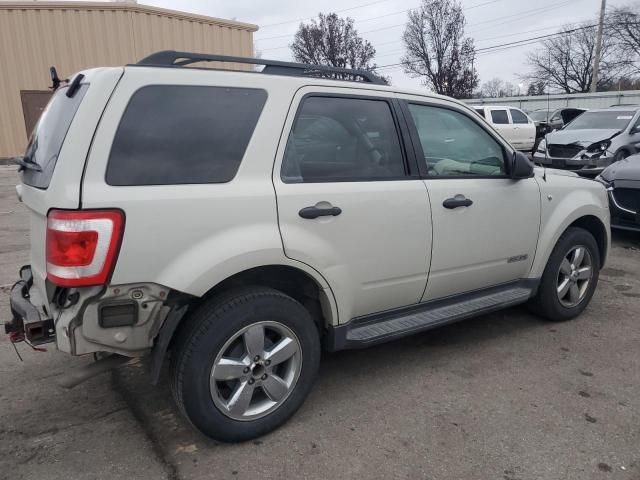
(563,204)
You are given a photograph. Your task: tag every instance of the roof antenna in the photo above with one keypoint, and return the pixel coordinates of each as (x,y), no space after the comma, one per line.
(55,80)
(546,147)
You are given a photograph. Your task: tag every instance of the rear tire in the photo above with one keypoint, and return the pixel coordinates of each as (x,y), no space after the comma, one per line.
(570,277)
(227,379)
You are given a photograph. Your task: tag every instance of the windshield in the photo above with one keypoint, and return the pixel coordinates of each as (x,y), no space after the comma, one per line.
(605,120)
(48,135)
(539,115)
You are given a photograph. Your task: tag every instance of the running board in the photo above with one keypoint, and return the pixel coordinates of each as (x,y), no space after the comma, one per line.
(370,330)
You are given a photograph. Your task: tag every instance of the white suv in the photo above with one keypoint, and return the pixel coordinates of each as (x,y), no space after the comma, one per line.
(239,220)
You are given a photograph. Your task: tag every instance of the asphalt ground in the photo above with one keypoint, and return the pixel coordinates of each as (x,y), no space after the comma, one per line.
(502,396)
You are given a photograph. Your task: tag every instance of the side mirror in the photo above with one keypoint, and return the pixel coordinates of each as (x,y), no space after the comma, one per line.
(521,166)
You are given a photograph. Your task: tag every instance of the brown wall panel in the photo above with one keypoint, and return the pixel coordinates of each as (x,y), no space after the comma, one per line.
(77,35)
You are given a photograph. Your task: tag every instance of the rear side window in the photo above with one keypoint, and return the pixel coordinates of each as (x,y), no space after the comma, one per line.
(499,117)
(171,134)
(336,139)
(48,135)
(518,117)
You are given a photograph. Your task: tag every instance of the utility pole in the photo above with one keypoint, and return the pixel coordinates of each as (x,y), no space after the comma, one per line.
(596,61)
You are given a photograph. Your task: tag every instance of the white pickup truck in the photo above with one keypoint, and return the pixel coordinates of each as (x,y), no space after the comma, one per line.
(512,123)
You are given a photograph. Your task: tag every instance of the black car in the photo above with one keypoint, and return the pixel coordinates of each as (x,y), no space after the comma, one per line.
(622,180)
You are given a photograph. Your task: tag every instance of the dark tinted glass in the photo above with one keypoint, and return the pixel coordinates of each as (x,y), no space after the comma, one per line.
(499,117)
(604,120)
(480,111)
(343,139)
(539,115)
(518,117)
(183,134)
(48,135)
(455,145)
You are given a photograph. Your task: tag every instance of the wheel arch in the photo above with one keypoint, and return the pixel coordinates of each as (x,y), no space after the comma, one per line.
(299,284)
(587,216)
(628,149)
(292,281)
(595,227)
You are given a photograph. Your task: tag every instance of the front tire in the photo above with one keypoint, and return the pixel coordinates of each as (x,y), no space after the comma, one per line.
(570,277)
(244,363)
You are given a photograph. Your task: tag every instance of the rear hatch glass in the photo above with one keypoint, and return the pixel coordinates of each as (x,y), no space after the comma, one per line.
(48,136)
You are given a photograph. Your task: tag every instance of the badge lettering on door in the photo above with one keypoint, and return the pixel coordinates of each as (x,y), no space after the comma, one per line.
(517,258)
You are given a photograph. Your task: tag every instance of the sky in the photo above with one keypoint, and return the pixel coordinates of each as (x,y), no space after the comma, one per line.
(488,22)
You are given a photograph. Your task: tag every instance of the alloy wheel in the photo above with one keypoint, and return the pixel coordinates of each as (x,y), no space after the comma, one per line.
(574,276)
(256,370)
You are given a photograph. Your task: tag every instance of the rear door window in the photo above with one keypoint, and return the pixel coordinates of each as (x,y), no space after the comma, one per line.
(518,117)
(499,117)
(176,134)
(48,135)
(339,139)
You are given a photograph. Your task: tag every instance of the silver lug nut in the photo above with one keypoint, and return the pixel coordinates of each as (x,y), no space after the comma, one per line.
(256,358)
(264,377)
(267,363)
(246,370)
(251,381)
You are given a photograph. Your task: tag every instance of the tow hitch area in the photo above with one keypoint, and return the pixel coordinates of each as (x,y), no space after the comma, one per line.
(26,324)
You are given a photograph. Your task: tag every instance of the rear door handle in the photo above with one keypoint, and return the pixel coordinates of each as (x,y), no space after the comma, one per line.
(315,212)
(457,201)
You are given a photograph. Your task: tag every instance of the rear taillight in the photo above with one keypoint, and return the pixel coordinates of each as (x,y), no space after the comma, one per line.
(82,246)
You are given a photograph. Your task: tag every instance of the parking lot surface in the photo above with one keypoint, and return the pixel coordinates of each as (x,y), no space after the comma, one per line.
(503,396)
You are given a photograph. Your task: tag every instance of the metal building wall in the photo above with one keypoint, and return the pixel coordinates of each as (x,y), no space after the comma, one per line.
(579,100)
(76,35)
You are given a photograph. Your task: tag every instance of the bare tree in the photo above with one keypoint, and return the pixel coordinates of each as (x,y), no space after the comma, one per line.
(565,62)
(437,50)
(508,90)
(492,88)
(332,41)
(622,83)
(531,90)
(623,24)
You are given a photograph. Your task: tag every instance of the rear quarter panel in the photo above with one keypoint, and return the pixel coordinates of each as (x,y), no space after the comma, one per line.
(191,237)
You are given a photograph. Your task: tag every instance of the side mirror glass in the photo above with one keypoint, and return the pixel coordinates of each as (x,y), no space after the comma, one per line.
(521,166)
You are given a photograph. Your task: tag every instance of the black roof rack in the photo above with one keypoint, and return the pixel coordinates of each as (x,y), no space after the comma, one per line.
(171,58)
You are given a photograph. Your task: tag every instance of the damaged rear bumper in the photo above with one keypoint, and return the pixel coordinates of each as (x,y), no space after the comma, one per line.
(121,319)
(27,323)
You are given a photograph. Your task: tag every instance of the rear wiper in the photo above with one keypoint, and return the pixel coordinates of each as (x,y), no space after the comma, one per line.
(27,164)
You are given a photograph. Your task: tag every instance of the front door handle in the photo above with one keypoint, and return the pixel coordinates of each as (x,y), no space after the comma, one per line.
(457,201)
(315,212)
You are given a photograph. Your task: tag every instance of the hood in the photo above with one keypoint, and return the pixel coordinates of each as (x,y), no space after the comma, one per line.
(541,171)
(626,169)
(581,137)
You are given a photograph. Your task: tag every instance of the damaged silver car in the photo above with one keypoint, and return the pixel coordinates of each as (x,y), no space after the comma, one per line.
(592,141)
